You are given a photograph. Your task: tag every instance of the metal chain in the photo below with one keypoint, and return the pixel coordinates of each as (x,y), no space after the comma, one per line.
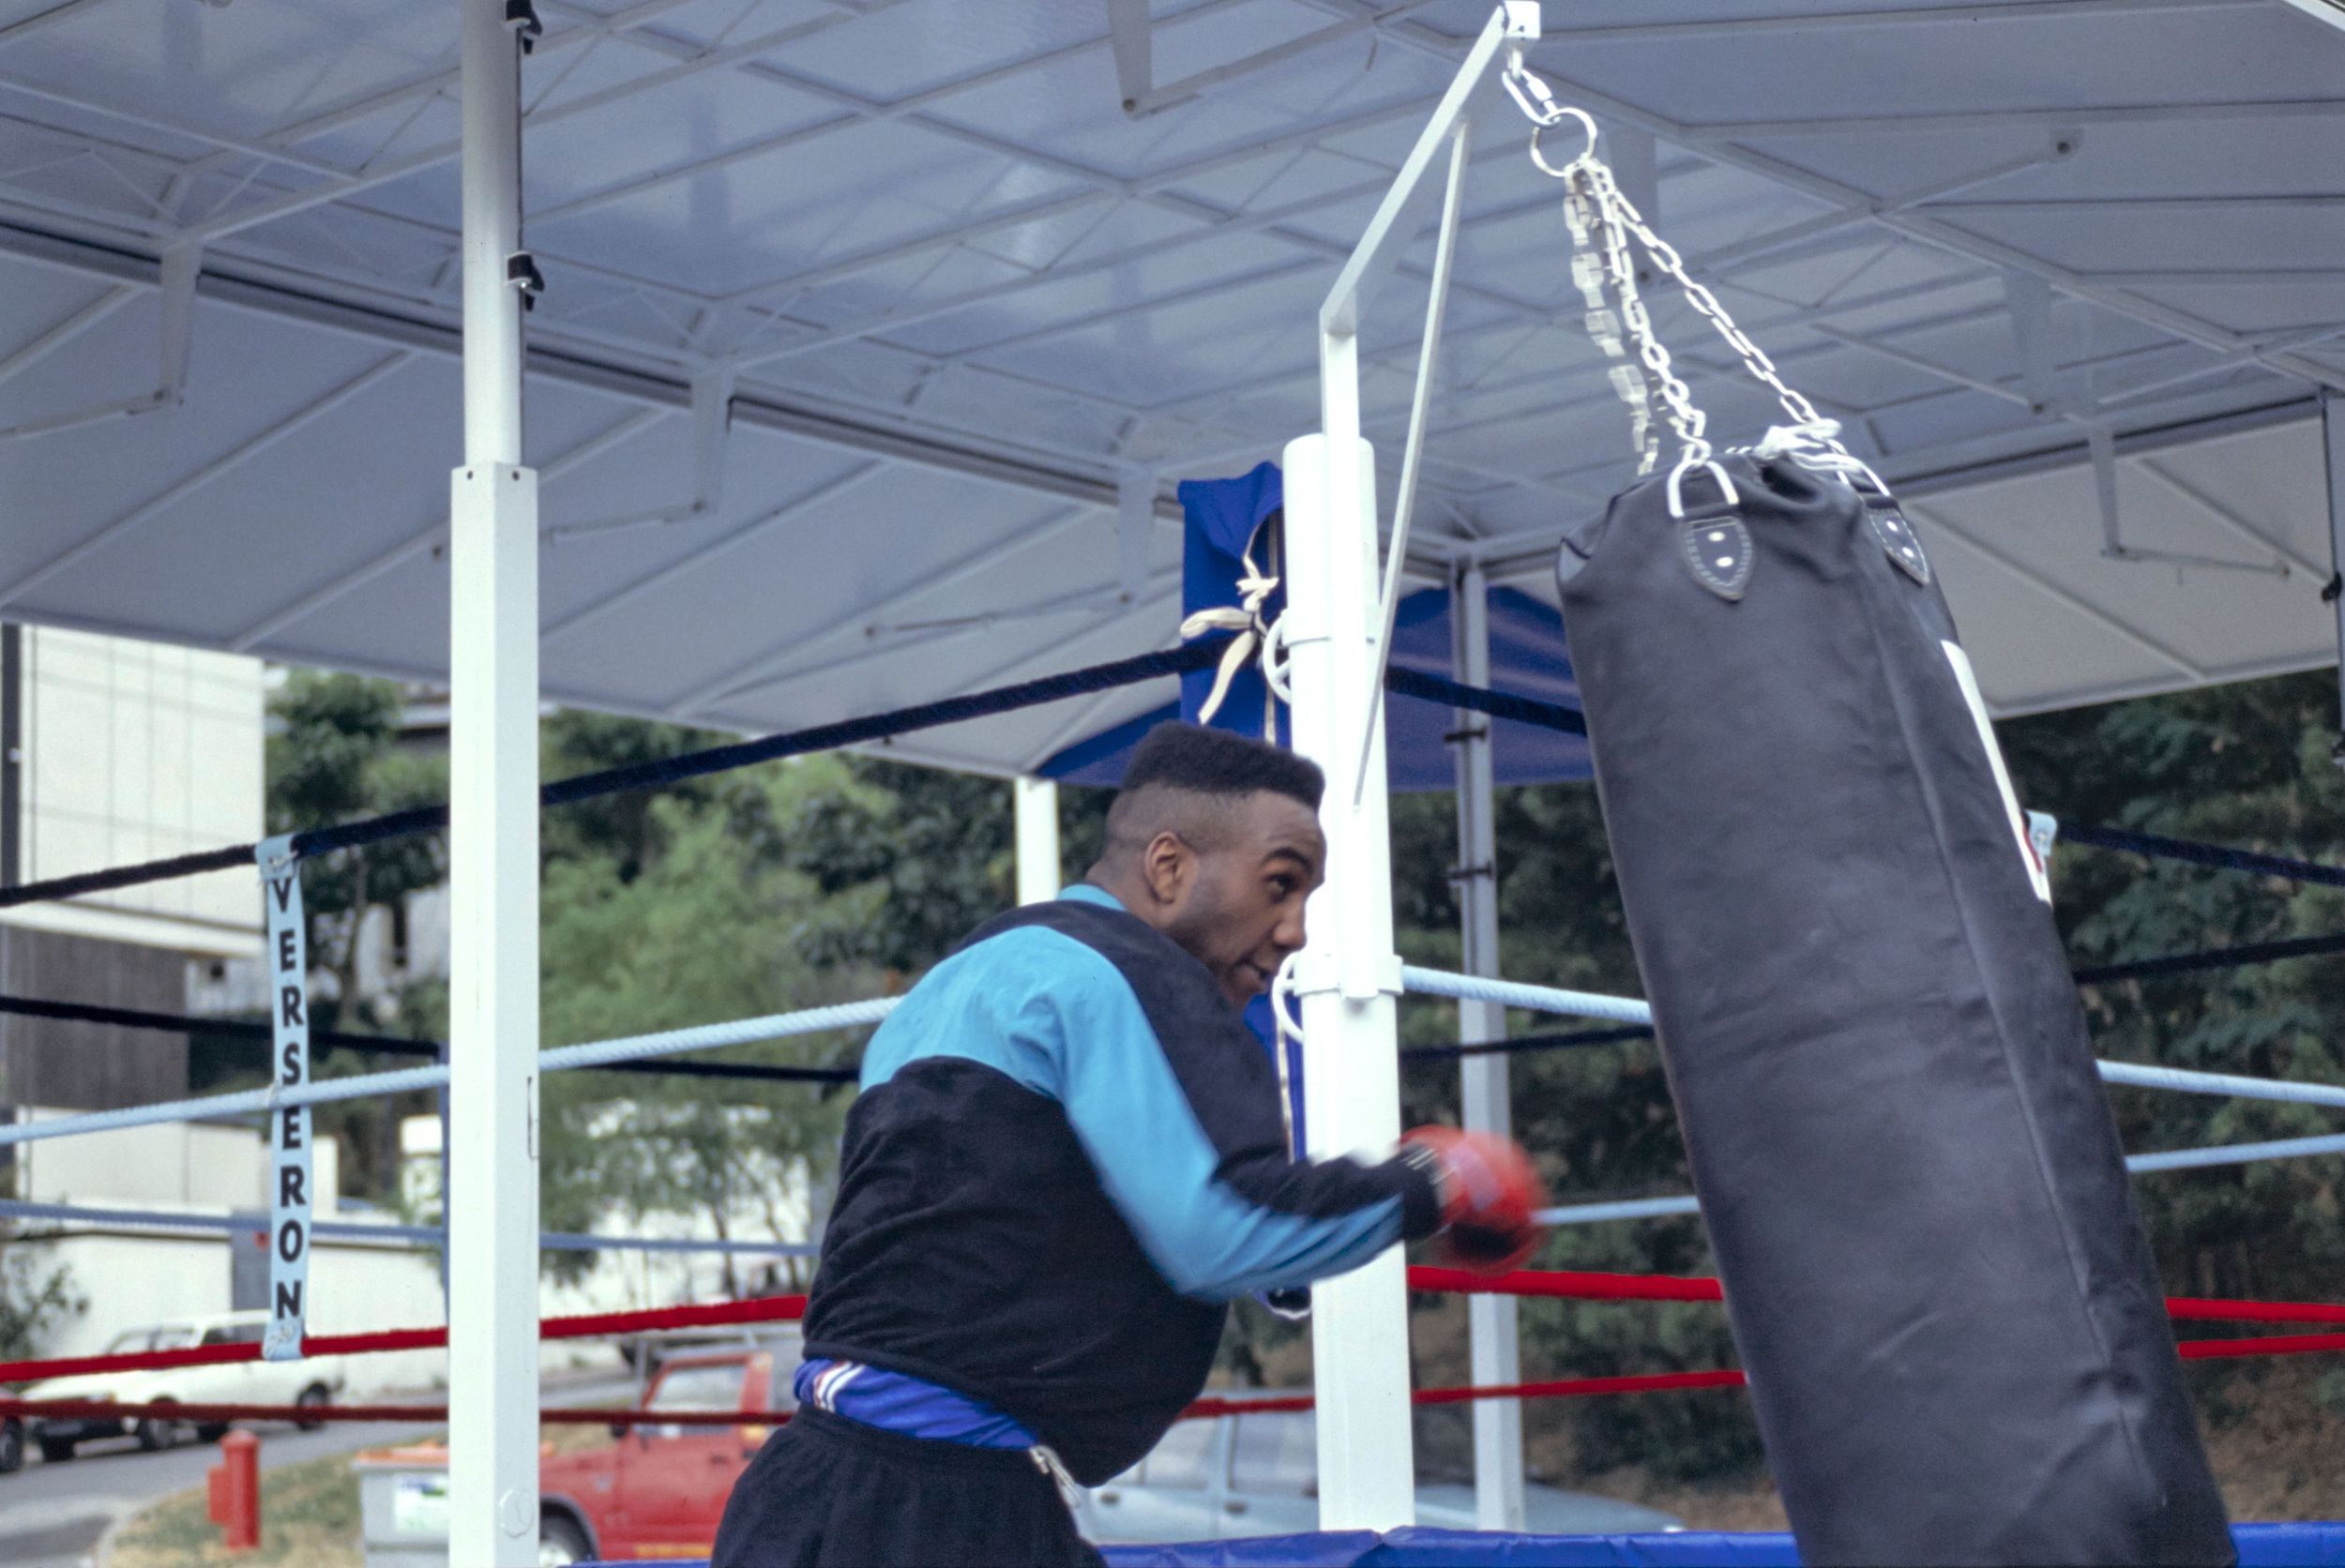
(1590,273)
(1586,176)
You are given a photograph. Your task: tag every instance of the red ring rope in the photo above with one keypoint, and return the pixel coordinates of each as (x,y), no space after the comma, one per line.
(1212,1405)
(1546,1283)
(589,1325)
(1569,1285)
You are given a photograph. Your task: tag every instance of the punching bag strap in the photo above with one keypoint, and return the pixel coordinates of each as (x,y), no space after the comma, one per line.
(1897,538)
(1711,537)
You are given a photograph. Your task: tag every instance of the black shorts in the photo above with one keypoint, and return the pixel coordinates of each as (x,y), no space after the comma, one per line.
(826,1492)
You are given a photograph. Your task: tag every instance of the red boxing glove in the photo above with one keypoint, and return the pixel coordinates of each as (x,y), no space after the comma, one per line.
(1488,1194)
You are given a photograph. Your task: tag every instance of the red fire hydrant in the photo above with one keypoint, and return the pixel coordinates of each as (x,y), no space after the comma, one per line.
(236,1492)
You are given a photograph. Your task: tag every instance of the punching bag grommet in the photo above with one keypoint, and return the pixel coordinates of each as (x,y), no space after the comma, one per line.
(1716,546)
(1896,539)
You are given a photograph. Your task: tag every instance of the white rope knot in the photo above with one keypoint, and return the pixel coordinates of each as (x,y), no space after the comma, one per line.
(1245,618)
(1813,443)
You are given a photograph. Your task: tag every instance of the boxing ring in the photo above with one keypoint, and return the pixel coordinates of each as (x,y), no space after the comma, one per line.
(2323,1323)
(1346,986)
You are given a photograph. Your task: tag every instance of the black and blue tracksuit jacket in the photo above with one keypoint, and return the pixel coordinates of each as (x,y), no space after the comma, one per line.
(1067,1157)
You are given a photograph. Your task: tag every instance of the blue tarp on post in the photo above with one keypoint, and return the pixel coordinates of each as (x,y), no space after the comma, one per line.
(1527,659)
(2292,1545)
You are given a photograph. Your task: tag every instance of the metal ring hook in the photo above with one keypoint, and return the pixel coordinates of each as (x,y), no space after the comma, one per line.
(1586,153)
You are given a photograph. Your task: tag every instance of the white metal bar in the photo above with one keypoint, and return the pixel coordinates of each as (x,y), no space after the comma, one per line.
(1413,446)
(1349,977)
(1035,804)
(2333,448)
(1380,247)
(492,851)
(1492,1320)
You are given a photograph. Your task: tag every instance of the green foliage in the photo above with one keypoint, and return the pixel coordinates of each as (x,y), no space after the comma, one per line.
(708,929)
(33,1300)
(332,758)
(908,859)
(2243,766)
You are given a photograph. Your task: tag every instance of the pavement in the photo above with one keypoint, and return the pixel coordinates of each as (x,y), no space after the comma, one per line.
(55,1515)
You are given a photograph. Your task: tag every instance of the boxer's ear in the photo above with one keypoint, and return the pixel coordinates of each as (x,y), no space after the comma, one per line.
(1169,867)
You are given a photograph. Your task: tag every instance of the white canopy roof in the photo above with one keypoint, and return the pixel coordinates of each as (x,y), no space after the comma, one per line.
(960,299)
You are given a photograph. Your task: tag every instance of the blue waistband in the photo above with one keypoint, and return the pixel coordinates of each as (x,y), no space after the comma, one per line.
(896,1402)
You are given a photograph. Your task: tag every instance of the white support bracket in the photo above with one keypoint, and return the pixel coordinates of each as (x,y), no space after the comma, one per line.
(2101,442)
(712,431)
(181,264)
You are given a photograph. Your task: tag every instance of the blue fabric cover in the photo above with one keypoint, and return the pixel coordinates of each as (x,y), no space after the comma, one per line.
(2292,1545)
(1527,657)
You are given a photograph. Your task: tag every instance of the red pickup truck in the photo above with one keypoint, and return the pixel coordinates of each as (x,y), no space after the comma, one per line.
(660,1490)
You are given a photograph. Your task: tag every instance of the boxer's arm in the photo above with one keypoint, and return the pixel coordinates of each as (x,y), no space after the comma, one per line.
(1204,1178)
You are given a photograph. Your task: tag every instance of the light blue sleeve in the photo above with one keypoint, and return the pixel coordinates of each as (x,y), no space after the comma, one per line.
(1155,1161)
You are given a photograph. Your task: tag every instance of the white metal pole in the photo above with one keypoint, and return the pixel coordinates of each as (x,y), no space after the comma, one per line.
(493,852)
(1491,1325)
(1349,976)
(2333,441)
(1036,820)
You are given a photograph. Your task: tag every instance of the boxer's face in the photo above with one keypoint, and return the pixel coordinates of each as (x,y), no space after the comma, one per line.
(1237,904)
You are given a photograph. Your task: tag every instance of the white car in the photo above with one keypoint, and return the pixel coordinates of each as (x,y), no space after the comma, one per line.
(309,1382)
(1257,1474)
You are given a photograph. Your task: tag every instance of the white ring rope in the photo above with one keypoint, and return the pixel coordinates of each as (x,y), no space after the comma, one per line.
(424,1236)
(2169,1159)
(1588,1004)
(600,1053)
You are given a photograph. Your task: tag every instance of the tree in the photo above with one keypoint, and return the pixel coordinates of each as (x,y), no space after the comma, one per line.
(33,1300)
(332,757)
(708,930)
(2245,765)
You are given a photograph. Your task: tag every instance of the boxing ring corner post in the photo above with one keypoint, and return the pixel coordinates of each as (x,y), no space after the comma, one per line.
(2333,449)
(1348,979)
(1492,1321)
(1035,823)
(493,844)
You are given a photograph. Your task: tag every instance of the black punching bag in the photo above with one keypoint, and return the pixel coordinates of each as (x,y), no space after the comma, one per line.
(1938,1283)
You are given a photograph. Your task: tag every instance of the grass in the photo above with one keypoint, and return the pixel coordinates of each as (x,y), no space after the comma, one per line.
(309,1516)
(309,1519)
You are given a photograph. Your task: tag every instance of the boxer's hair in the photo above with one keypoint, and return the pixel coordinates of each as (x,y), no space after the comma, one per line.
(1178,771)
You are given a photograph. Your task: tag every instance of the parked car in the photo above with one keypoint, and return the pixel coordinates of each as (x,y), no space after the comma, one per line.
(660,1490)
(1257,1474)
(309,1382)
